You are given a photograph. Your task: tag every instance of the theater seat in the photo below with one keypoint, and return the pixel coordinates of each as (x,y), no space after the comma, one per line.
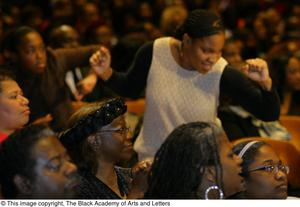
(136,106)
(288,154)
(292,124)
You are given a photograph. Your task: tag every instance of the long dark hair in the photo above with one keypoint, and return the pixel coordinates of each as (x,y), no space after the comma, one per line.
(278,72)
(278,68)
(179,164)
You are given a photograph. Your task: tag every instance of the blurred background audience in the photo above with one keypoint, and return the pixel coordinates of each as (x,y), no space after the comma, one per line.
(46,46)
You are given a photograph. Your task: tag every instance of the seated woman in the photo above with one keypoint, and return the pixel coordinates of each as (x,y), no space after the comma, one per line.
(14,108)
(40,72)
(97,140)
(195,161)
(34,164)
(265,174)
(236,120)
(286,75)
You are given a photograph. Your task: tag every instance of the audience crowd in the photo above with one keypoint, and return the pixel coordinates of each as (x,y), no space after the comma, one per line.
(210,73)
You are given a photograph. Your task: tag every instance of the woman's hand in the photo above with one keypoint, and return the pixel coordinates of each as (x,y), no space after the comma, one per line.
(100,62)
(86,86)
(257,70)
(43,120)
(139,183)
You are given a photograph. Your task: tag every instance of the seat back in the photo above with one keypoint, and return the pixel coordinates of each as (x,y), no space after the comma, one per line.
(287,153)
(292,124)
(136,107)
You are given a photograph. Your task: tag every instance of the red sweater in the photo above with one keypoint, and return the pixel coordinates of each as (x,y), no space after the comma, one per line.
(3,137)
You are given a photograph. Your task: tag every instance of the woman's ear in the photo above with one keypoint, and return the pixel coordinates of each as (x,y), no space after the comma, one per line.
(208,179)
(23,185)
(210,174)
(94,140)
(186,40)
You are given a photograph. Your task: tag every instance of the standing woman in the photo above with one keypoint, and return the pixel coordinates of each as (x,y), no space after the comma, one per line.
(195,162)
(97,141)
(14,107)
(185,77)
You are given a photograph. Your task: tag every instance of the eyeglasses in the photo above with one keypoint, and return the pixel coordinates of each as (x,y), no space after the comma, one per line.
(293,70)
(272,169)
(122,130)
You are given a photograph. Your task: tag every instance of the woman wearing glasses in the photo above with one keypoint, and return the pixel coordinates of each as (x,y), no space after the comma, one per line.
(264,172)
(97,140)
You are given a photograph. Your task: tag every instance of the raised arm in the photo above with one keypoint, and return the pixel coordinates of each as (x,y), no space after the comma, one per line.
(129,84)
(253,91)
(75,57)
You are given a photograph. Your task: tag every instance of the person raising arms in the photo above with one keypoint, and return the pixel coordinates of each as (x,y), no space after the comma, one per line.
(185,77)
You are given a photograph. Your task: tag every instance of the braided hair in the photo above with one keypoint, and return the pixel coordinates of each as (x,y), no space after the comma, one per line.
(200,23)
(180,163)
(85,122)
(16,156)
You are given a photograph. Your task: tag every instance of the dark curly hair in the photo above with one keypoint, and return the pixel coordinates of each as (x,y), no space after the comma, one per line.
(179,164)
(16,156)
(86,121)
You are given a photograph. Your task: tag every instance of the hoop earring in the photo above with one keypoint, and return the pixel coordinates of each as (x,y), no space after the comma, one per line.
(214,187)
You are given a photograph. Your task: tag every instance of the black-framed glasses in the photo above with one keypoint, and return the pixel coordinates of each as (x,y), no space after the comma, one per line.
(272,169)
(122,130)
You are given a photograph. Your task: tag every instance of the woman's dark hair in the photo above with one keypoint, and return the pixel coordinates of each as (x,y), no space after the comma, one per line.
(200,23)
(179,164)
(249,156)
(85,122)
(278,68)
(13,39)
(16,156)
(278,72)
(4,76)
